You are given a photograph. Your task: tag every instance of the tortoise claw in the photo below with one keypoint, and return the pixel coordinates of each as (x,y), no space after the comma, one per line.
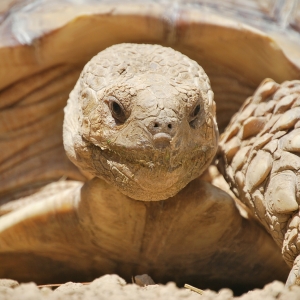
(294,276)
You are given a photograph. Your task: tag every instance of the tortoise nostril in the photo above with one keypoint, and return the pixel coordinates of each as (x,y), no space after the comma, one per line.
(162,126)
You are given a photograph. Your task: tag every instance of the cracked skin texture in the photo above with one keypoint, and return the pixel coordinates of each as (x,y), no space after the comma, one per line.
(141,122)
(166,134)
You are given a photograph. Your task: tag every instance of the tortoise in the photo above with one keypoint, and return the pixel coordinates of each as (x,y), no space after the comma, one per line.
(64,222)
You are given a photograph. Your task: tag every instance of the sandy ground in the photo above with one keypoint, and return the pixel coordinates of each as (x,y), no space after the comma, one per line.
(114,287)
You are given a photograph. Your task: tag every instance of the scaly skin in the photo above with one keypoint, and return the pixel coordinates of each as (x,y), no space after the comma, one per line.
(260,151)
(166,134)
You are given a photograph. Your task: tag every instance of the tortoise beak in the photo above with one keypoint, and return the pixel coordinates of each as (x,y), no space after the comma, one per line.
(161,140)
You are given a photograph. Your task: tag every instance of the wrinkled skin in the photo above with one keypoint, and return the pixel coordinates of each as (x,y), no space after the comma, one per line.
(260,150)
(146,120)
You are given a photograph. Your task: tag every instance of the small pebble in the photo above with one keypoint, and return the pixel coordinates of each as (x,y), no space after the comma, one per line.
(9,283)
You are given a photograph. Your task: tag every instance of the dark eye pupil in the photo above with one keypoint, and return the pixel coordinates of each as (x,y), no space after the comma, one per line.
(196,110)
(116,108)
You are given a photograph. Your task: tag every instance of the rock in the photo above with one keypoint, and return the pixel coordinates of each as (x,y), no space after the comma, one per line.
(8,283)
(143,280)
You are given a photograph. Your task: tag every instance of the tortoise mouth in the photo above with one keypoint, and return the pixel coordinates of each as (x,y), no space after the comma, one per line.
(161,140)
(157,162)
(144,172)
(160,157)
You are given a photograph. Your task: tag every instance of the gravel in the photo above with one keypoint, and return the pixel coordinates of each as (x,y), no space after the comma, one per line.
(114,287)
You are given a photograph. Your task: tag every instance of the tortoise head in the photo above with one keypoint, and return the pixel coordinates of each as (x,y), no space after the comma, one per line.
(142,117)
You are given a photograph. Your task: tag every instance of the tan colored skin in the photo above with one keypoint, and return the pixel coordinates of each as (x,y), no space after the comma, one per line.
(260,151)
(197,236)
(165,134)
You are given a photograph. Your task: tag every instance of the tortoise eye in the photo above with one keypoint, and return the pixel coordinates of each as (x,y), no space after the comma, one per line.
(117,109)
(196,111)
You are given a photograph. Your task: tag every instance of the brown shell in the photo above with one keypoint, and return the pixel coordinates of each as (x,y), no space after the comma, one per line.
(44,45)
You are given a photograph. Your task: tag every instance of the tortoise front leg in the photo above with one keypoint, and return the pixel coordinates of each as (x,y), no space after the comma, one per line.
(261,160)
